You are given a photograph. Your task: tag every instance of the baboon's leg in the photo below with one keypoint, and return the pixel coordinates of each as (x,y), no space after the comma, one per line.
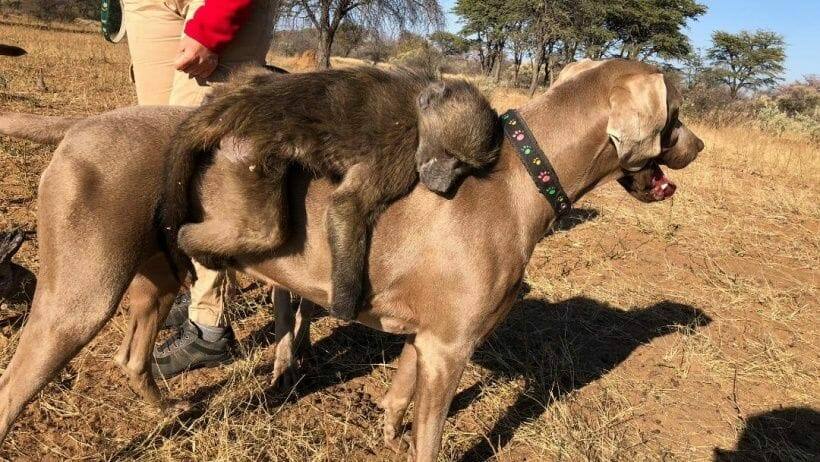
(348,218)
(75,297)
(247,222)
(151,295)
(439,368)
(398,397)
(292,330)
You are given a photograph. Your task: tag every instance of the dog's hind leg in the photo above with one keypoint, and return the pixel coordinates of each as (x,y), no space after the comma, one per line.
(440,365)
(150,297)
(69,309)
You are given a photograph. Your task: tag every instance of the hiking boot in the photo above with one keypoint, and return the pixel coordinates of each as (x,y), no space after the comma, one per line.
(179,311)
(187,350)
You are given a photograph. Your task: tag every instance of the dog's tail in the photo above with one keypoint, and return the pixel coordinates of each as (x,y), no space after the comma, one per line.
(10,50)
(37,128)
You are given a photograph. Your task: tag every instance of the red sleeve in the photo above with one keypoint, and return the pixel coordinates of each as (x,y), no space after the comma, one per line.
(216,22)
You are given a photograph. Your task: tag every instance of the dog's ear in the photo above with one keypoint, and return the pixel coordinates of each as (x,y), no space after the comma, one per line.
(637,115)
(574,68)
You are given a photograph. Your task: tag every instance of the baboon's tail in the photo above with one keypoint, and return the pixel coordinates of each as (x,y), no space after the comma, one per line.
(37,128)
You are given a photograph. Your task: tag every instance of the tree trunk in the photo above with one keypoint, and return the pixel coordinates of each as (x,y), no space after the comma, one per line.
(515,73)
(323,50)
(551,68)
(498,64)
(536,69)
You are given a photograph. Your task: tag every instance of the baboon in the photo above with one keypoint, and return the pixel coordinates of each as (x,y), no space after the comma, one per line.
(361,127)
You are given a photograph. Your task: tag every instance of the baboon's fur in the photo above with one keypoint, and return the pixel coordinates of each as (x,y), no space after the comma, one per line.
(359,126)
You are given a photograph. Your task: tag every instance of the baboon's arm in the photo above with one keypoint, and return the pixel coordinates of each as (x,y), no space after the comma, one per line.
(348,219)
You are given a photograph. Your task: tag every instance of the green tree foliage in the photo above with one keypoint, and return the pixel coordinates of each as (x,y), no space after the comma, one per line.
(646,28)
(556,32)
(747,60)
(450,44)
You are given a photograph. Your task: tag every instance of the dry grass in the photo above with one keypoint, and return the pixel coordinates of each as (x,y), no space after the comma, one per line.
(648,332)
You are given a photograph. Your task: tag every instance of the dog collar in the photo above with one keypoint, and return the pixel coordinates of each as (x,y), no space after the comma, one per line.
(537,164)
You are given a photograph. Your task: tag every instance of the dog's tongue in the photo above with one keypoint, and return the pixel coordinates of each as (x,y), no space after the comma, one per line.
(662,186)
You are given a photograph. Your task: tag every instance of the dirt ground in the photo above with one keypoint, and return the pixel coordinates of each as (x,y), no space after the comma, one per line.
(679,331)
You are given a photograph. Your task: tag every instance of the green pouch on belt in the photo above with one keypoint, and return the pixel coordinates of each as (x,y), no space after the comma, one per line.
(111,20)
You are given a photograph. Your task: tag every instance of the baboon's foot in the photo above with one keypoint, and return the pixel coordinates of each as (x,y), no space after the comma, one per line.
(345,301)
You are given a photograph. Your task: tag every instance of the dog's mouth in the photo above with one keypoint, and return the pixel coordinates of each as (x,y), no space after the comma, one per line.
(649,184)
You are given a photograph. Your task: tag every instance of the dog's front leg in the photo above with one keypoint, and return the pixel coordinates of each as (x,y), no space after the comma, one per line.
(440,365)
(292,331)
(398,397)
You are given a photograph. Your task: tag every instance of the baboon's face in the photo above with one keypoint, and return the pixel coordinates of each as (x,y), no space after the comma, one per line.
(458,134)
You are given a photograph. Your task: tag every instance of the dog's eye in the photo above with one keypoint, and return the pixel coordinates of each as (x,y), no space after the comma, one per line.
(669,135)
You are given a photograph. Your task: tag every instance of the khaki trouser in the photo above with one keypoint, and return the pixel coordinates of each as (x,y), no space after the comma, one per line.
(153,28)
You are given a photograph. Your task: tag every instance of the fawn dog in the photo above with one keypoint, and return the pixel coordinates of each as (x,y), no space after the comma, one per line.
(443,271)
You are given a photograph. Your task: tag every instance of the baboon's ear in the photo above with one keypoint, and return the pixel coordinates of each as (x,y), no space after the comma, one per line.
(432,93)
(637,115)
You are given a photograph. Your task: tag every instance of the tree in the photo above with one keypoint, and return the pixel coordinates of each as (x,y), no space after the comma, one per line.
(489,22)
(449,44)
(645,28)
(749,60)
(349,36)
(327,15)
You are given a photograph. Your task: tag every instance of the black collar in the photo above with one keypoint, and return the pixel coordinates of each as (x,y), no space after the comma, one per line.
(535,161)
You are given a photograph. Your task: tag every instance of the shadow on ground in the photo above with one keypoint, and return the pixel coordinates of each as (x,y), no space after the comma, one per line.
(556,347)
(561,347)
(790,434)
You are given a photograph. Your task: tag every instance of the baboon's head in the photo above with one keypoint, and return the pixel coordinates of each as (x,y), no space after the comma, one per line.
(459,132)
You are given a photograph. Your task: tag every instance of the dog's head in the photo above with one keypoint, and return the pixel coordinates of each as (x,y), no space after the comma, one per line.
(644,127)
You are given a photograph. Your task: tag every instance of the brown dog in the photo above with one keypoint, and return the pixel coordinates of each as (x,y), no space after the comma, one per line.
(445,272)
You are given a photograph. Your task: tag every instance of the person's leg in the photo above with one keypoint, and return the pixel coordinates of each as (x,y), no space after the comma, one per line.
(154,28)
(153,31)
(206,338)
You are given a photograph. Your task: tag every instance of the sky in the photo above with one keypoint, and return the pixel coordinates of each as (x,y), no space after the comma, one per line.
(797,20)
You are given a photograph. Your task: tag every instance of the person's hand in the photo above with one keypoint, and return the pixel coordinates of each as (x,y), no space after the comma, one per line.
(194,59)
